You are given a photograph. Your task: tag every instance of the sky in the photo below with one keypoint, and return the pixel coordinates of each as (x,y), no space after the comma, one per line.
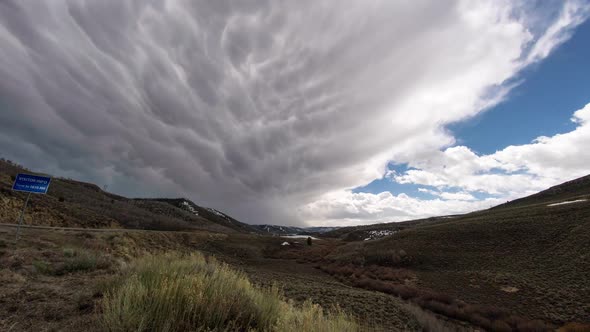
(331,112)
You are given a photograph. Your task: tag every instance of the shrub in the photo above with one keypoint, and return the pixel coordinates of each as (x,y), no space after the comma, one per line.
(309,240)
(192,293)
(82,261)
(42,267)
(388,258)
(69,252)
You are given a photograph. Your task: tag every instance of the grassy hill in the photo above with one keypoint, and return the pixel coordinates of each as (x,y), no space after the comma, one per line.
(527,256)
(568,191)
(370,232)
(70,203)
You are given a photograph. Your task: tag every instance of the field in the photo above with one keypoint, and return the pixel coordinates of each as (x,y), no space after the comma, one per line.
(528,258)
(54,280)
(521,266)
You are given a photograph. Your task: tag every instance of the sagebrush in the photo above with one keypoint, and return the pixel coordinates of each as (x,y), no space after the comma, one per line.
(195,293)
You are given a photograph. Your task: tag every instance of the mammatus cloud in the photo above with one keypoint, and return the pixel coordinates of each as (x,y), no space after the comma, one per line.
(258,108)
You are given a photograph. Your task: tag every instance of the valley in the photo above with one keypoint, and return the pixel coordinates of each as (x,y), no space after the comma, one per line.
(521,266)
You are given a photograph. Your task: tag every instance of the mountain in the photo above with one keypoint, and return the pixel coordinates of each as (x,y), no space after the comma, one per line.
(209,214)
(70,203)
(290,230)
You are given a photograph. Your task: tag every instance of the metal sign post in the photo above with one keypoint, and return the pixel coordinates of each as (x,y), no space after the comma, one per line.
(20,219)
(31,184)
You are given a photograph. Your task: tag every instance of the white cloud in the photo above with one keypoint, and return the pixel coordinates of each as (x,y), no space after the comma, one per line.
(572,14)
(513,172)
(347,208)
(523,168)
(259,108)
(459,196)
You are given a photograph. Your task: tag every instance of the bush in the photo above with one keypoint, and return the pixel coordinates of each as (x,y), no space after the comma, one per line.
(309,240)
(388,258)
(192,293)
(42,267)
(69,252)
(81,261)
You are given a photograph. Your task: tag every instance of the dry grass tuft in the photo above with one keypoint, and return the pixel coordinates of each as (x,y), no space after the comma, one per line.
(194,293)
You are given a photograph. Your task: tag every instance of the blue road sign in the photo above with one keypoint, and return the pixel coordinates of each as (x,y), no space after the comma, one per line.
(31,183)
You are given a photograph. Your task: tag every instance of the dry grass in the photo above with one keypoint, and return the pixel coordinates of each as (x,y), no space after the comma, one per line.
(73,261)
(176,293)
(399,282)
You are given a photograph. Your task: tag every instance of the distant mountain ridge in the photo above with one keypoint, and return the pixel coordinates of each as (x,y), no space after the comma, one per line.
(210,214)
(291,230)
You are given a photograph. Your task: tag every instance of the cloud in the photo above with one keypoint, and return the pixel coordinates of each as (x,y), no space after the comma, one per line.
(458,196)
(347,208)
(257,108)
(454,174)
(572,14)
(515,170)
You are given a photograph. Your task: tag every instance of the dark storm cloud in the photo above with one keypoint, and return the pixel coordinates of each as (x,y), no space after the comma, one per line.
(254,107)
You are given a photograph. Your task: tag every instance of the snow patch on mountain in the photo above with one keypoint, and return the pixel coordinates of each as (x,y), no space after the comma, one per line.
(568,202)
(377,234)
(187,206)
(219,214)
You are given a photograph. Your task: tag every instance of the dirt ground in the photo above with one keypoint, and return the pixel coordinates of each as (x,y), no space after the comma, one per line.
(53,280)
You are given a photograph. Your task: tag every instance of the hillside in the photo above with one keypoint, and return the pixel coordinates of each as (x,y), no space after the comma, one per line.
(71,203)
(209,214)
(569,191)
(529,256)
(375,231)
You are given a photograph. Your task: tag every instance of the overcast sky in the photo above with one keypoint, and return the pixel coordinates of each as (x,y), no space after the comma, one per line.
(279,111)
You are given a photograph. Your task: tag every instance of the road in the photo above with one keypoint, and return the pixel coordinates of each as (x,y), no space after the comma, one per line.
(79,229)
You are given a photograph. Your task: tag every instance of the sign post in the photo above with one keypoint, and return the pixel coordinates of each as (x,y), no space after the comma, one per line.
(20,219)
(30,184)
